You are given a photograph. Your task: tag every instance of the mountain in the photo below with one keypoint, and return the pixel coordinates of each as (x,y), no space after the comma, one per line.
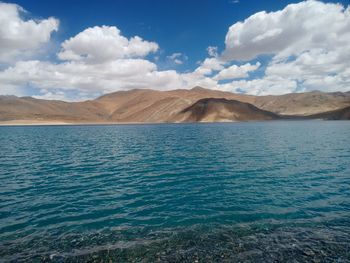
(146,105)
(222,110)
(340,114)
(27,108)
(143,105)
(303,103)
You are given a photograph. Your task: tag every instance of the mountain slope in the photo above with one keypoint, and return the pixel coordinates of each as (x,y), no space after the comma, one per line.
(146,105)
(303,103)
(340,114)
(26,108)
(157,106)
(221,110)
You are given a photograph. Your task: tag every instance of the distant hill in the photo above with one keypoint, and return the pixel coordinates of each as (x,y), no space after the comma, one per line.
(27,108)
(303,103)
(146,105)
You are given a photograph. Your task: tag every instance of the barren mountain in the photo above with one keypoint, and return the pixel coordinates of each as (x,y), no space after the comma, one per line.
(27,108)
(146,105)
(222,110)
(340,114)
(157,106)
(303,103)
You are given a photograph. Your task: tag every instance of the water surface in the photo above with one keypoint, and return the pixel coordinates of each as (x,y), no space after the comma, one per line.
(259,191)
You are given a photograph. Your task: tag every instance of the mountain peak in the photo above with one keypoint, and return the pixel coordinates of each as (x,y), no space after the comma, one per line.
(222,110)
(198,88)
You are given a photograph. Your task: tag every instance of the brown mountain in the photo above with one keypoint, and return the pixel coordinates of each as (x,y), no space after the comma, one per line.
(27,108)
(146,105)
(341,114)
(303,103)
(221,110)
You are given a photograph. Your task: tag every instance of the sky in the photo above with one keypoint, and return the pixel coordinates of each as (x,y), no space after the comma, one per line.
(77,50)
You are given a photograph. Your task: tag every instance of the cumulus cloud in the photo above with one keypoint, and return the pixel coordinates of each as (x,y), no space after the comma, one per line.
(100,44)
(234,71)
(97,60)
(307,46)
(291,31)
(210,65)
(203,74)
(90,78)
(265,86)
(308,42)
(21,38)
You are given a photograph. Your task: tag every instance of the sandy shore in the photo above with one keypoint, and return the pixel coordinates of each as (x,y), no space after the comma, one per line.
(58,123)
(50,123)
(61,123)
(32,122)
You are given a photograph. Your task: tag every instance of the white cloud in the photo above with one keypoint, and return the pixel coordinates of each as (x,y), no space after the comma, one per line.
(234,71)
(52,95)
(92,78)
(19,38)
(291,31)
(212,51)
(315,69)
(100,44)
(209,65)
(201,76)
(178,58)
(264,86)
(308,44)
(98,60)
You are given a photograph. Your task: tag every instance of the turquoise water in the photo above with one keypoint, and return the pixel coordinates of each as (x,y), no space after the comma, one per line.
(232,192)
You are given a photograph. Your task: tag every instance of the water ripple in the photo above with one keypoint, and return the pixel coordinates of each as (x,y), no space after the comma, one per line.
(210,192)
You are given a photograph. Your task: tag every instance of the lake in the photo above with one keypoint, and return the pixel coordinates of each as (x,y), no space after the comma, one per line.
(234,192)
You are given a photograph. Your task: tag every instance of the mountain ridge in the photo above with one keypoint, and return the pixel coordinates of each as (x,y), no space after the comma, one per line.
(147,105)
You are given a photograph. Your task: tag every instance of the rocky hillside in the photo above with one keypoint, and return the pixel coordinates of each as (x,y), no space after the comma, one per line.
(146,105)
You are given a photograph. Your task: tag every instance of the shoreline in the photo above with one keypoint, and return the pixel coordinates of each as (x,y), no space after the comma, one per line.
(62,123)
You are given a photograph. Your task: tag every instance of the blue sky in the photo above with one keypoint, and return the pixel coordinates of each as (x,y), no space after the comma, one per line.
(186,27)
